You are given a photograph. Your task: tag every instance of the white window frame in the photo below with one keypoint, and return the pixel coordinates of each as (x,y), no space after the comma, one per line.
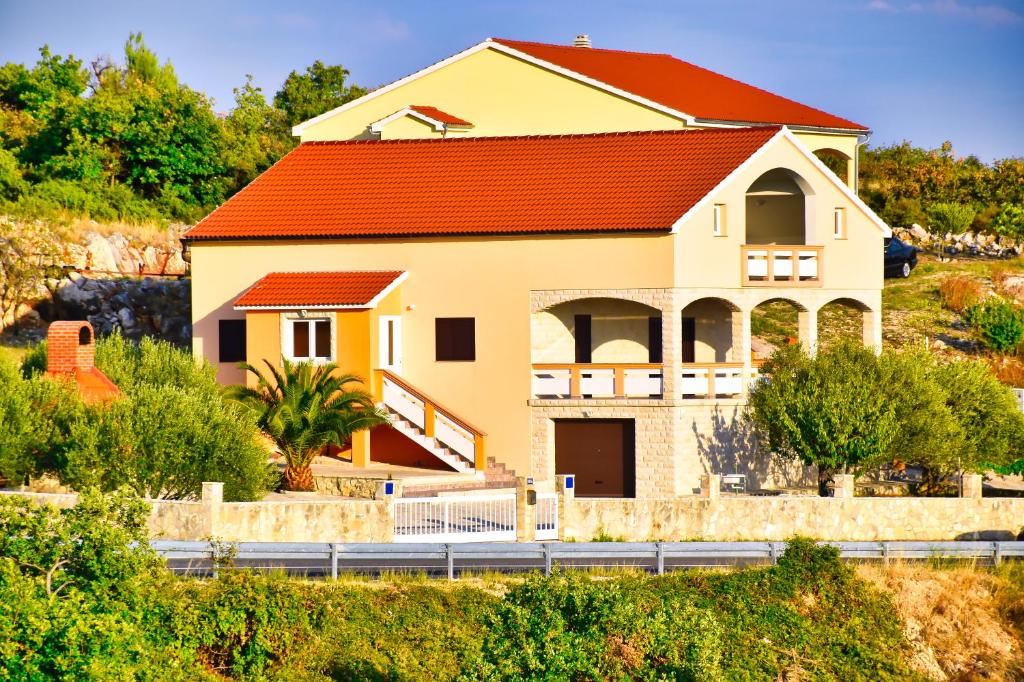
(287,336)
(839,223)
(719,226)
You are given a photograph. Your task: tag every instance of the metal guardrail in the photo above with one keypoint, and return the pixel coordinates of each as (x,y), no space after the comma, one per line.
(437,559)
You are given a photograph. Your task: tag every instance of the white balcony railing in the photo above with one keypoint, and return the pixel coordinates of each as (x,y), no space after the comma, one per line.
(715,379)
(772,265)
(597,380)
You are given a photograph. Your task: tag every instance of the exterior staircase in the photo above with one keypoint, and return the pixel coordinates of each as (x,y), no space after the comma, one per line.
(432,445)
(433,427)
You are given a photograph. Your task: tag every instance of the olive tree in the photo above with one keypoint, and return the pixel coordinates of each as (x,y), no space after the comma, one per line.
(824,410)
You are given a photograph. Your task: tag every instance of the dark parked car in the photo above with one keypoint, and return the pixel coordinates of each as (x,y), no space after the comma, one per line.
(900,258)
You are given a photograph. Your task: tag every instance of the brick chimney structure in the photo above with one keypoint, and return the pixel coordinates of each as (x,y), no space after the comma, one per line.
(71,353)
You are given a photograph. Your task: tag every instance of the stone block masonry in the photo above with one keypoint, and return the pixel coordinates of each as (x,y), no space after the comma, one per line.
(669,519)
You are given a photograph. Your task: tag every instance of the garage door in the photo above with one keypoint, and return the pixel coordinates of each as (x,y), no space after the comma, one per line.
(600,452)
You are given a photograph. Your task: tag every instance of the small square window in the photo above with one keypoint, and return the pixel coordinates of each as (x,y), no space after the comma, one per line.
(231,340)
(455,339)
(308,339)
(839,223)
(720,227)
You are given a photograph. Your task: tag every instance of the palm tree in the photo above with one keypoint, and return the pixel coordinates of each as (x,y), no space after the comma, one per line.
(305,407)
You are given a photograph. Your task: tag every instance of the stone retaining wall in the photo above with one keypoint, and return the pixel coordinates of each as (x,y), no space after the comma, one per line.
(779,518)
(666,519)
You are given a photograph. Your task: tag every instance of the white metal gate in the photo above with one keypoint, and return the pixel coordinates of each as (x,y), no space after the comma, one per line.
(547,516)
(462,518)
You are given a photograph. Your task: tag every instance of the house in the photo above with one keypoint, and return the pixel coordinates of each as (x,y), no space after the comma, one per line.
(554,303)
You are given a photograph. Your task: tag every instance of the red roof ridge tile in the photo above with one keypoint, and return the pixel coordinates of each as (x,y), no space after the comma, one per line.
(537,43)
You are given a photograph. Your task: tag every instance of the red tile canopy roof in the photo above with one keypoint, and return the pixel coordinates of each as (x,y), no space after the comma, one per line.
(606,182)
(682,86)
(354,289)
(436,114)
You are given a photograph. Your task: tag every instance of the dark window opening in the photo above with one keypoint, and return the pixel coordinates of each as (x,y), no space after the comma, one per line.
(455,339)
(300,339)
(689,339)
(323,339)
(231,342)
(582,331)
(654,340)
(84,337)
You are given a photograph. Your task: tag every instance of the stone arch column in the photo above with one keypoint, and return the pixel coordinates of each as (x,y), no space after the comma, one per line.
(807,325)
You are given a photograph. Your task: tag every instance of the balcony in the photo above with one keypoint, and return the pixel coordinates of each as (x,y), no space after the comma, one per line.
(765,265)
(698,381)
(597,380)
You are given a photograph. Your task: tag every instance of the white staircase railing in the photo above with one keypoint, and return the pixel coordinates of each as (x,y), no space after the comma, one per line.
(432,419)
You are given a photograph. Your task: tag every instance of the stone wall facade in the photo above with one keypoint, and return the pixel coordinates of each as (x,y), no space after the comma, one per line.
(779,518)
(669,519)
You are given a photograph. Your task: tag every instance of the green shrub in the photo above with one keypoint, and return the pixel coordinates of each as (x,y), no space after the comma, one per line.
(1000,323)
(1009,221)
(169,431)
(950,217)
(572,627)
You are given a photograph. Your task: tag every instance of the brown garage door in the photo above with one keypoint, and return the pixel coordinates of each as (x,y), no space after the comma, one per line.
(600,452)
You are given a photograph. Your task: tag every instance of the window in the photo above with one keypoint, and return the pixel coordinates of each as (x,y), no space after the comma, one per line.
(839,223)
(720,225)
(581,331)
(231,341)
(308,339)
(455,338)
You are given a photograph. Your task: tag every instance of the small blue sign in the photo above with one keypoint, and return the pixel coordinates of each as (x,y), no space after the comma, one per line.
(570,482)
(529,480)
(389,487)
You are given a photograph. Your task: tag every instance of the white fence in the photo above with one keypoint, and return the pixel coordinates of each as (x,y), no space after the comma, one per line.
(547,516)
(463,518)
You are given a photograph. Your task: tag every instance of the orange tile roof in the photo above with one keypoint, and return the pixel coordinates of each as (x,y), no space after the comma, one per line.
(355,289)
(682,86)
(484,185)
(441,116)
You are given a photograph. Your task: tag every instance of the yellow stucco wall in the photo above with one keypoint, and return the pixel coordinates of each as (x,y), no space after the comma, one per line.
(489,279)
(500,95)
(852,263)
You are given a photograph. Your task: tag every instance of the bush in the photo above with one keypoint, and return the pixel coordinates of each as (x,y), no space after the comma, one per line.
(959,292)
(1009,221)
(1000,323)
(950,217)
(27,428)
(169,431)
(571,627)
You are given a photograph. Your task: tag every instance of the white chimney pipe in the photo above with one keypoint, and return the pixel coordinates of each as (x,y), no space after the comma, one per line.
(582,40)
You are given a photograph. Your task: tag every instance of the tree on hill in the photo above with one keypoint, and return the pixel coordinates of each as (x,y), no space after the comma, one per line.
(127,140)
(321,88)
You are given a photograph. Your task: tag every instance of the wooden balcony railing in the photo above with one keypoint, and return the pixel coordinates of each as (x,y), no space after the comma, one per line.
(432,418)
(770,265)
(597,380)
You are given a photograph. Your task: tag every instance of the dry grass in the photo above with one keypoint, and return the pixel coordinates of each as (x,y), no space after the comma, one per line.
(959,292)
(144,235)
(1009,370)
(959,621)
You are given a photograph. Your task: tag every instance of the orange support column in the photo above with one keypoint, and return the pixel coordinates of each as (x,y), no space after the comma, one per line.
(361,449)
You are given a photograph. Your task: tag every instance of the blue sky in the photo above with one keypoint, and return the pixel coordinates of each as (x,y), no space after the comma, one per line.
(924,70)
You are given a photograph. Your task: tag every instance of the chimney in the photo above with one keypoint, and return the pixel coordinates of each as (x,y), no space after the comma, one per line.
(582,40)
(70,346)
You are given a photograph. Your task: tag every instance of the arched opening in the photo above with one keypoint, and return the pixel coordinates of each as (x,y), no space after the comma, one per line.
(844,319)
(597,348)
(837,162)
(711,331)
(775,323)
(84,336)
(597,330)
(779,204)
